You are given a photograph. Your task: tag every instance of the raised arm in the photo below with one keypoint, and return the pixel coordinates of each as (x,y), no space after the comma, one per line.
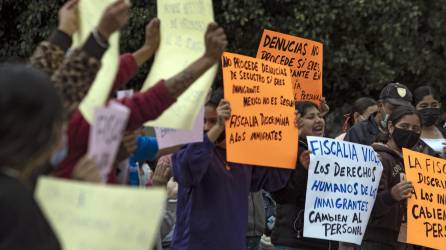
(150,104)
(129,63)
(74,77)
(215,41)
(49,54)
(151,43)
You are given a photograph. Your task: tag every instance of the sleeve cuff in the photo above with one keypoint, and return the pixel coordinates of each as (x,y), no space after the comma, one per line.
(93,48)
(60,39)
(207,142)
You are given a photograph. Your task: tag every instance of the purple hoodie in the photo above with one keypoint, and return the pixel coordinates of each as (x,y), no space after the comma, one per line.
(212,209)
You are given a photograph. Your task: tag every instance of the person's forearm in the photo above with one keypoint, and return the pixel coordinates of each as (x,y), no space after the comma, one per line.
(180,82)
(215,132)
(143,55)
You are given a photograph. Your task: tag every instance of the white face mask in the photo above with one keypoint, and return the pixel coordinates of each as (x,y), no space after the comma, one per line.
(384,121)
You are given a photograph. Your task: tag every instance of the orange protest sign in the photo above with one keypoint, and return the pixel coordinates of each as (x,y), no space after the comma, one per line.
(261,129)
(426,209)
(303,56)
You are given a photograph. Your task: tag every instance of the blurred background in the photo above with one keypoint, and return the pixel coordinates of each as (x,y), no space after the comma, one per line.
(366,43)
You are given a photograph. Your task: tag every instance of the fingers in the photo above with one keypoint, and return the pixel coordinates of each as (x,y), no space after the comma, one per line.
(153,24)
(211,27)
(71,4)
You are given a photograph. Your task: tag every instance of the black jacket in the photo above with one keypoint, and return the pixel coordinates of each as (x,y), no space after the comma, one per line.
(364,132)
(22,223)
(288,228)
(386,217)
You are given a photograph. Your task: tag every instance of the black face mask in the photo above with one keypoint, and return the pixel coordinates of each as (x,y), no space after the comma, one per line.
(430,116)
(405,138)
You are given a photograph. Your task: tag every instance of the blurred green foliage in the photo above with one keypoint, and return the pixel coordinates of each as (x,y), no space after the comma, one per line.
(366,43)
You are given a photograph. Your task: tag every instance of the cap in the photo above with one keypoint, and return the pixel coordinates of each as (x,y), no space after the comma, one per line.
(397,94)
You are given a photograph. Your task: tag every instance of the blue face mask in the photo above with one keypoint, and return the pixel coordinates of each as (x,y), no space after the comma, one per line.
(59,155)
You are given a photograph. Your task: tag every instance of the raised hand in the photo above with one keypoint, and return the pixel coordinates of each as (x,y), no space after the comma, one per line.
(68,18)
(153,36)
(215,42)
(87,170)
(114,18)
(223,112)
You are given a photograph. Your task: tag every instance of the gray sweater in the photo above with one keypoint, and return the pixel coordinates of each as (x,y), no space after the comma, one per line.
(256,214)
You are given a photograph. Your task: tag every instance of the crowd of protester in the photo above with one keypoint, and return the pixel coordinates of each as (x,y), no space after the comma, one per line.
(212,203)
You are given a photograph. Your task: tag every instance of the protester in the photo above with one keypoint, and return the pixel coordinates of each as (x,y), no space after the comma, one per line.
(361,110)
(288,230)
(149,104)
(433,137)
(30,129)
(73,75)
(392,96)
(212,210)
(404,128)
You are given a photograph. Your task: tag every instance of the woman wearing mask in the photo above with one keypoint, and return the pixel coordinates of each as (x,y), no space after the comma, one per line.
(30,130)
(288,230)
(433,137)
(404,130)
(361,110)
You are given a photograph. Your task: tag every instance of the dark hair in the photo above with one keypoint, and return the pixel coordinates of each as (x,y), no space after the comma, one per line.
(396,116)
(303,106)
(423,91)
(216,96)
(31,110)
(359,106)
(402,111)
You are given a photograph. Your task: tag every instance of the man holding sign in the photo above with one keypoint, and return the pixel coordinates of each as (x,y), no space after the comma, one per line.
(213,193)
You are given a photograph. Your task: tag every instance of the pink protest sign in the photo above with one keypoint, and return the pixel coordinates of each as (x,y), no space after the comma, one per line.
(106,134)
(167,137)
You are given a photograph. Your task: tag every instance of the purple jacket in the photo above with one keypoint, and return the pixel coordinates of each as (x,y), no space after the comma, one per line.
(212,209)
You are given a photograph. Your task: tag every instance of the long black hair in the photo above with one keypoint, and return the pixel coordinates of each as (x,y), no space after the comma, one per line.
(423,91)
(359,106)
(31,111)
(303,106)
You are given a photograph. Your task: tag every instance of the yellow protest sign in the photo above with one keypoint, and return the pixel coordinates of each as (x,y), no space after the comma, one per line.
(426,208)
(183,25)
(93,216)
(90,13)
(261,128)
(303,56)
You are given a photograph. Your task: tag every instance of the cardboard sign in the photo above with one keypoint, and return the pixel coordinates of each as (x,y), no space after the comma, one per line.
(426,208)
(99,217)
(261,129)
(168,137)
(343,180)
(303,56)
(90,12)
(183,25)
(106,134)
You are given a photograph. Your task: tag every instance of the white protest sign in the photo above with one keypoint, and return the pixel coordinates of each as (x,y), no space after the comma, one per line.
(106,134)
(168,137)
(343,179)
(101,217)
